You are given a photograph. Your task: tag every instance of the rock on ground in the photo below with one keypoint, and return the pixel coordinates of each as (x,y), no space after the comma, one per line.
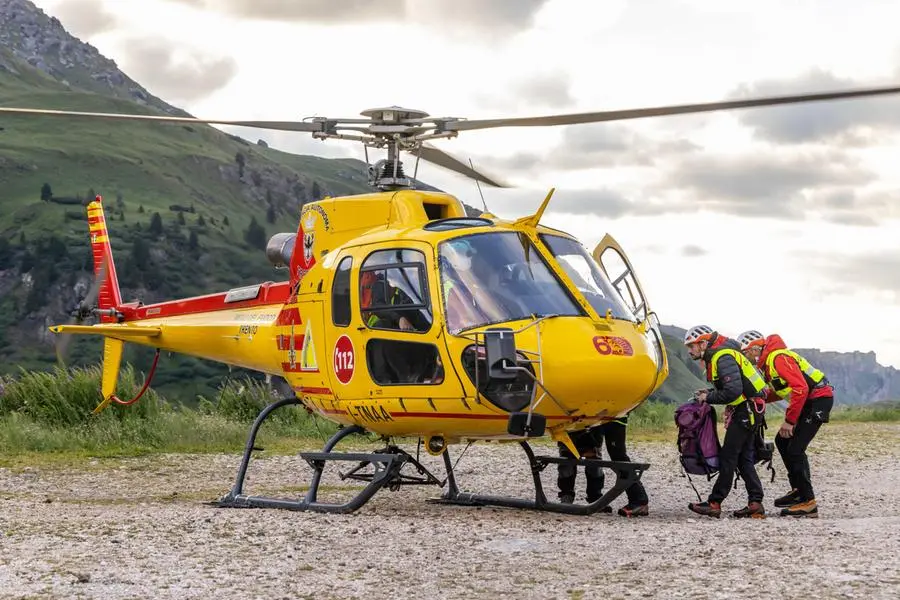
(140,528)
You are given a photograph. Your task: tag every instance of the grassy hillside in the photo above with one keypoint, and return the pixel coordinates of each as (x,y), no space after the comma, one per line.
(151,164)
(180,203)
(684,375)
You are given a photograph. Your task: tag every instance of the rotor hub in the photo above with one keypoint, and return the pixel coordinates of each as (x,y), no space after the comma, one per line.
(393,114)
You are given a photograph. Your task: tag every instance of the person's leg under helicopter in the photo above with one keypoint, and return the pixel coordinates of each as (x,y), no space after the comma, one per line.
(586,444)
(594,476)
(565,476)
(614,432)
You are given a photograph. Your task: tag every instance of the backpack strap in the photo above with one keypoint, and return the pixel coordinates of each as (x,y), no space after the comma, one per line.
(690,481)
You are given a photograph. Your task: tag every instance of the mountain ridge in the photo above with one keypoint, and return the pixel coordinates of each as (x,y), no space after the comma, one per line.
(41,41)
(857,376)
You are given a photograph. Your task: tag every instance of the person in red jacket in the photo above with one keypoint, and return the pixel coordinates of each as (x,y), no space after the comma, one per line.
(810,398)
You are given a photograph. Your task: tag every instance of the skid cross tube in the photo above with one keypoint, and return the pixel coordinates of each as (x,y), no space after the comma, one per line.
(626,473)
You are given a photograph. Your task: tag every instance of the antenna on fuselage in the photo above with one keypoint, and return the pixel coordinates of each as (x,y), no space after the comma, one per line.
(478,185)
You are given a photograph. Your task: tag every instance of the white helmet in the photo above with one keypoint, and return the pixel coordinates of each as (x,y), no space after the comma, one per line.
(751,338)
(698,333)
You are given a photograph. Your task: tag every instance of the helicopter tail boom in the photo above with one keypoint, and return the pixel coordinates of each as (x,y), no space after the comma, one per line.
(109,296)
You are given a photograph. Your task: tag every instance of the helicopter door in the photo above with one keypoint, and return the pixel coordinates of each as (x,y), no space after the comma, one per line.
(385,343)
(611,258)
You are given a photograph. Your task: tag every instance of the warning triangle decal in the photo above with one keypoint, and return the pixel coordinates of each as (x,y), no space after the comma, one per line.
(308,352)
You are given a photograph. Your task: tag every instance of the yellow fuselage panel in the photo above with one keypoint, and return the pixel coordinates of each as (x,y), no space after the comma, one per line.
(243,338)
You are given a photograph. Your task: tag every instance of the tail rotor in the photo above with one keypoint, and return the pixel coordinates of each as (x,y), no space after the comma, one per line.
(86,308)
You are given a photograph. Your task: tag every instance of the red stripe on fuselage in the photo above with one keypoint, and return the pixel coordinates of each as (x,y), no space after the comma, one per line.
(269,293)
(284,342)
(289,315)
(317,390)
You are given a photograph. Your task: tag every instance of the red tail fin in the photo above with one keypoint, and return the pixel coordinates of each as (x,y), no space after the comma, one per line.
(109,296)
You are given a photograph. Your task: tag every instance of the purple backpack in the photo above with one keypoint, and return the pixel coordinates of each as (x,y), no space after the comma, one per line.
(698,438)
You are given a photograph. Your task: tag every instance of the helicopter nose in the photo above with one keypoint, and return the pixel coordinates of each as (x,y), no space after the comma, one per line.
(599,372)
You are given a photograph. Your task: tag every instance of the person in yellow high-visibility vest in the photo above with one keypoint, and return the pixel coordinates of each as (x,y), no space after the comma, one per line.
(738,385)
(810,399)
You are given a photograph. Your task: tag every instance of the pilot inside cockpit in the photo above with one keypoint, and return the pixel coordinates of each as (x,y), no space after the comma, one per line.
(474,288)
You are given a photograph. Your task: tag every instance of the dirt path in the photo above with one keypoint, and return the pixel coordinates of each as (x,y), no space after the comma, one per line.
(139,528)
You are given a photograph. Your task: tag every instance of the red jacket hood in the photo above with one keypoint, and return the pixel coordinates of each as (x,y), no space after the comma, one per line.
(773,342)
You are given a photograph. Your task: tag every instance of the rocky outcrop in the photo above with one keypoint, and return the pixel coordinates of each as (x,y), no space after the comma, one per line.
(41,41)
(857,377)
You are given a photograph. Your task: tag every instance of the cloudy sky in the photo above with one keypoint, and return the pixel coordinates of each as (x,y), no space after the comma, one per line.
(779,219)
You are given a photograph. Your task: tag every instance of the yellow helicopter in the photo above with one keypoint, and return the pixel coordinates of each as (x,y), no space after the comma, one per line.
(404,317)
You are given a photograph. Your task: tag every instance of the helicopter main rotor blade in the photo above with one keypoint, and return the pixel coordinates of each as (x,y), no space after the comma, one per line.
(442,159)
(276,125)
(682,109)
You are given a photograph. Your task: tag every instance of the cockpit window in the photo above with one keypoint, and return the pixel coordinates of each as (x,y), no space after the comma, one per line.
(496,277)
(582,269)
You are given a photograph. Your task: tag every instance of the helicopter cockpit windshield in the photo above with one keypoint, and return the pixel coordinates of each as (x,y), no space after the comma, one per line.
(587,276)
(496,277)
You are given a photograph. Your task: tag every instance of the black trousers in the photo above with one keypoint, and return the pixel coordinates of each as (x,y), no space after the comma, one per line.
(793,449)
(565,480)
(737,454)
(614,435)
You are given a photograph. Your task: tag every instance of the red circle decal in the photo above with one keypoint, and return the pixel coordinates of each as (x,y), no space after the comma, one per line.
(344,359)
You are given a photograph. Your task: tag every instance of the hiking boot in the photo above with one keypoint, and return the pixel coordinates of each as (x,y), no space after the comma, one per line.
(567,498)
(789,499)
(753,510)
(634,510)
(710,509)
(802,509)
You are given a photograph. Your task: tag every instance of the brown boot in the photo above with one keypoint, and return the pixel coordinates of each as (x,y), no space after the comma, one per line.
(802,509)
(753,510)
(709,509)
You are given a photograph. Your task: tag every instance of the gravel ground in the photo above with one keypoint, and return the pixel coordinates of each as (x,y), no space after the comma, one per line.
(140,528)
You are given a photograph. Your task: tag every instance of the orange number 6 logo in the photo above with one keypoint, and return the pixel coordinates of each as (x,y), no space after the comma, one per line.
(602,345)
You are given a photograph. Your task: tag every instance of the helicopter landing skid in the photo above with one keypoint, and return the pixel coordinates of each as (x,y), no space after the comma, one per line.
(386,470)
(627,473)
